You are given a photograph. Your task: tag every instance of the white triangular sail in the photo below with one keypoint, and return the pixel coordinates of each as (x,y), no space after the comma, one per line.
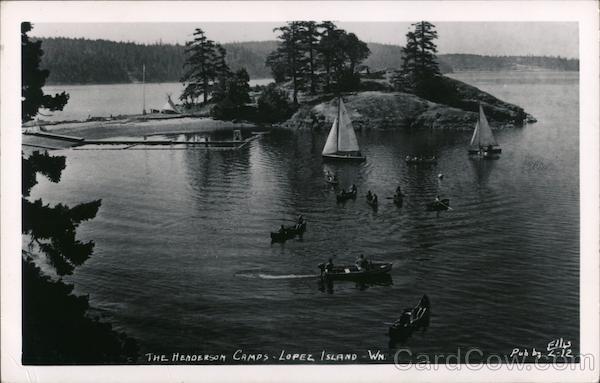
(475,138)
(347,141)
(483,136)
(172,104)
(331,146)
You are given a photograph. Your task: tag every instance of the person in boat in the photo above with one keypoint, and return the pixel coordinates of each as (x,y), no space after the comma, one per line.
(361,262)
(407,158)
(437,199)
(489,148)
(300,221)
(374,200)
(369,196)
(329,266)
(399,192)
(282,230)
(353,188)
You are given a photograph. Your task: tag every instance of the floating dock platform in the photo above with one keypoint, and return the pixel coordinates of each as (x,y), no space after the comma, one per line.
(80,143)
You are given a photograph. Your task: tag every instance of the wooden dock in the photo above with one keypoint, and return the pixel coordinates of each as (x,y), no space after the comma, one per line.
(105,144)
(53,136)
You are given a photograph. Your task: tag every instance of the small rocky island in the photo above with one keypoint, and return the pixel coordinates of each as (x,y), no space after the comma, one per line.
(389,109)
(416,96)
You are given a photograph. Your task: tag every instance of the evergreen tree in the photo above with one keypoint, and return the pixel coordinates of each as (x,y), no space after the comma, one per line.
(273,104)
(352,53)
(221,71)
(420,61)
(419,66)
(290,55)
(309,38)
(329,38)
(33,79)
(231,98)
(200,67)
(276,62)
(56,329)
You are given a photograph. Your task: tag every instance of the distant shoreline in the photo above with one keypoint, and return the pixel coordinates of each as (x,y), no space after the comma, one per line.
(135,82)
(521,70)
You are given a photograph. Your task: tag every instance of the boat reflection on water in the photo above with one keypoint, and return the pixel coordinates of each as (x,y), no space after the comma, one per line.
(481,169)
(327,284)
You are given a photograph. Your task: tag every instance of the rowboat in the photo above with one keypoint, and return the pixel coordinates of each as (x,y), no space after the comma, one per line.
(341,142)
(411,319)
(346,195)
(483,142)
(439,205)
(411,160)
(352,272)
(288,233)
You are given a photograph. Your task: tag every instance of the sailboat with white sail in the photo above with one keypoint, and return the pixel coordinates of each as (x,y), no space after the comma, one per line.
(483,141)
(341,142)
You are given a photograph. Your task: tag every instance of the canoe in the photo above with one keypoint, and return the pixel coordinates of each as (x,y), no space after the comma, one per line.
(411,319)
(352,272)
(345,195)
(373,203)
(439,206)
(289,233)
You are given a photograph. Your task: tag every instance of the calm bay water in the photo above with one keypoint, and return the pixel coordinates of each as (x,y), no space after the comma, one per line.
(183,260)
(115,99)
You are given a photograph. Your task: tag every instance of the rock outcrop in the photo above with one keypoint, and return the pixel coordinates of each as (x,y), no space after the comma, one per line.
(398,110)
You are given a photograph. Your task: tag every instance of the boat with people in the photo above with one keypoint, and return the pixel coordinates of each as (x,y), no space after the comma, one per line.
(398,197)
(483,142)
(439,205)
(342,143)
(288,232)
(411,319)
(345,195)
(355,272)
(372,200)
(415,160)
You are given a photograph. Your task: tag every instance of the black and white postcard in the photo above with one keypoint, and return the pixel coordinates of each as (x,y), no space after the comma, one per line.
(272,191)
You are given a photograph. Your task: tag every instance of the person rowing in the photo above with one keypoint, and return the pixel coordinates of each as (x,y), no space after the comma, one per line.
(301,221)
(439,202)
(353,189)
(361,262)
(369,196)
(329,266)
(398,194)
(374,199)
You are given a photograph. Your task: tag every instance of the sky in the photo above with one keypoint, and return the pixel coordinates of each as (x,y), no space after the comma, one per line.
(486,38)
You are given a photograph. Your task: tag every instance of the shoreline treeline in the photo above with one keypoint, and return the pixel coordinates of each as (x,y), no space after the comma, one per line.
(83,61)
